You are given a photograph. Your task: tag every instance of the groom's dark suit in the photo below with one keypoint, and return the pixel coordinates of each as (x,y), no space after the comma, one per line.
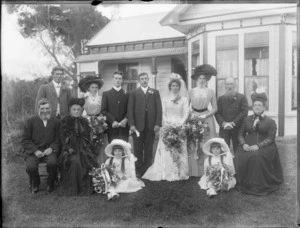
(144,112)
(233,110)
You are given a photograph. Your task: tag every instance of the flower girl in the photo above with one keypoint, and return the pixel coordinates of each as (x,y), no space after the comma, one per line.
(218,167)
(121,158)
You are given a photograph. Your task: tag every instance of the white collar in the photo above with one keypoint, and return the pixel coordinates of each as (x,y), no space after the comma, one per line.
(56,84)
(117,88)
(145,89)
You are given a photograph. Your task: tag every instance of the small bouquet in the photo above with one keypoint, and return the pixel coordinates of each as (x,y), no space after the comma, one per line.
(98,126)
(196,129)
(173,137)
(219,175)
(104,177)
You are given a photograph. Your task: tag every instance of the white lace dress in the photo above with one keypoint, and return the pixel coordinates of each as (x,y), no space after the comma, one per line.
(164,167)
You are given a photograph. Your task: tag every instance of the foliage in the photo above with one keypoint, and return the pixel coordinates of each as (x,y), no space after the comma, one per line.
(60,29)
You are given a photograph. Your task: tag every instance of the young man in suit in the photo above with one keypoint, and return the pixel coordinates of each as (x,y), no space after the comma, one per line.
(114,107)
(40,142)
(144,116)
(58,96)
(232,109)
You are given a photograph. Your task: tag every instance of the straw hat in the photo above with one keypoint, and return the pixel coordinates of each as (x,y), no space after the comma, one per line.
(206,146)
(88,80)
(118,142)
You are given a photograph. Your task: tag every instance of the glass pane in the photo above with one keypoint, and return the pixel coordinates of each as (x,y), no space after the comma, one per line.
(253,83)
(259,39)
(227,63)
(195,47)
(294,93)
(227,42)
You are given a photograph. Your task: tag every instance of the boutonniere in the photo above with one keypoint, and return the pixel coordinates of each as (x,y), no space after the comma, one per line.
(125,91)
(176,99)
(234,98)
(150,91)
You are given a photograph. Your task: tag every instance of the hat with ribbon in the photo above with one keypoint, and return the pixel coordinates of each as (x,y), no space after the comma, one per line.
(206,70)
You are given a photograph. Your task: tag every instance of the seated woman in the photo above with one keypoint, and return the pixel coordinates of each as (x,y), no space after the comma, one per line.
(121,157)
(257,164)
(77,158)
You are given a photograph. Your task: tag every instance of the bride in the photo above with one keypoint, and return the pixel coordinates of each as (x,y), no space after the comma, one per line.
(168,166)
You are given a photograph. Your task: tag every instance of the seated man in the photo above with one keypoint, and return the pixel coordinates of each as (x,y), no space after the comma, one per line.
(41,143)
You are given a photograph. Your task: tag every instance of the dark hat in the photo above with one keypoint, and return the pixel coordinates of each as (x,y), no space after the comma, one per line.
(88,80)
(76,101)
(57,68)
(206,70)
(262,97)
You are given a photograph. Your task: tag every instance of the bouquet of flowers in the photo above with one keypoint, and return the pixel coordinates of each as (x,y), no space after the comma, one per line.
(104,177)
(98,126)
(219,175)
(196,128)
(173,137)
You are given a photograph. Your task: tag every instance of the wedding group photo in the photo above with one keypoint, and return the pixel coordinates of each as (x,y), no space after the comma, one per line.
(149,115)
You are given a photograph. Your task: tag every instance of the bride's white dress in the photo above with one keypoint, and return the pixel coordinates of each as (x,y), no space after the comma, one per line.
(164,168)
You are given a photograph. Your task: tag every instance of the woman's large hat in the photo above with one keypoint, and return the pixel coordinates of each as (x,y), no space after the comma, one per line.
(207,145)
(118,142)
(206,70)
(259,95)
(76,101)
(88,80)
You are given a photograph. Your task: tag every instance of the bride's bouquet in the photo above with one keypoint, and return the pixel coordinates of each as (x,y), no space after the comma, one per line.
(219,175)
(103,177)
(196,129)
(173,137)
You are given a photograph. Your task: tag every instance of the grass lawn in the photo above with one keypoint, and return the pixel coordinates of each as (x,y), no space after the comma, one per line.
(165,204)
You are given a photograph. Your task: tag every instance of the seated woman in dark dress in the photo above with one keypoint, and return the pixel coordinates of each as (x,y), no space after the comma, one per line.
(257,164)
(77,158)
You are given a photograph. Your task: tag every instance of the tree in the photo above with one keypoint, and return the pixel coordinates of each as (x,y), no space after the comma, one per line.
(60,29)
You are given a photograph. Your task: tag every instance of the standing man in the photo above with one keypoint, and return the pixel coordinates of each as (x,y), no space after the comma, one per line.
(232,109)
(57,95)
(40,142)
(144,116)
(114,107)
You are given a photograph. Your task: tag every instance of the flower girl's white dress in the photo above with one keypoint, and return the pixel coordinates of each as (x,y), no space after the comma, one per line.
(164,167)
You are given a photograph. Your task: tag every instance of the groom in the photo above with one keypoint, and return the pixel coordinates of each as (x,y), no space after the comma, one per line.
(144,113)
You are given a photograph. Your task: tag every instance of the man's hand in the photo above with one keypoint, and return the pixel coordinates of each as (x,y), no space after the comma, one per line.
(48,151)
(227,125)
(39,154)
(115,124)
(254,148)
(132,129)
(246,147)
(156,128)
(123,123)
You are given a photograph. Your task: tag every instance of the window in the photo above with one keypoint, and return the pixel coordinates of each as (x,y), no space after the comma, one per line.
(195,57)
(256,63)
(227,61)
(130,75)
(294,72)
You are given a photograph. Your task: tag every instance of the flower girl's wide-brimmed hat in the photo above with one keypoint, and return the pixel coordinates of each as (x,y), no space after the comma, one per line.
(118,142)
(206,146)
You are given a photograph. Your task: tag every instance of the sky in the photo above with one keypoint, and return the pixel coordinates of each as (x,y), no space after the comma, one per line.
(24,58)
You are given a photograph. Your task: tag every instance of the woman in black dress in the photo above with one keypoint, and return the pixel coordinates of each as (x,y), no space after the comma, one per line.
(257,163)
(77,158)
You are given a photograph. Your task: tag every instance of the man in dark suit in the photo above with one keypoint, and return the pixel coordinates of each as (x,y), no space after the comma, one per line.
(56,93)
(144,116)
(114,107)
(40,142)
(232,109)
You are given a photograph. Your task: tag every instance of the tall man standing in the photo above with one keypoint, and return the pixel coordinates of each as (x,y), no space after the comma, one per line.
(40,142)
(57,95)
(114,107)
(232,109)
(144,116)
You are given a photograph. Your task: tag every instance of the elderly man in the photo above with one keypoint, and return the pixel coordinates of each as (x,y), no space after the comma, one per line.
(41,143)
(58,96)
(232,109)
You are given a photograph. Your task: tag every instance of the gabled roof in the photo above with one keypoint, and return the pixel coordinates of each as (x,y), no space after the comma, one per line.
(134,29)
